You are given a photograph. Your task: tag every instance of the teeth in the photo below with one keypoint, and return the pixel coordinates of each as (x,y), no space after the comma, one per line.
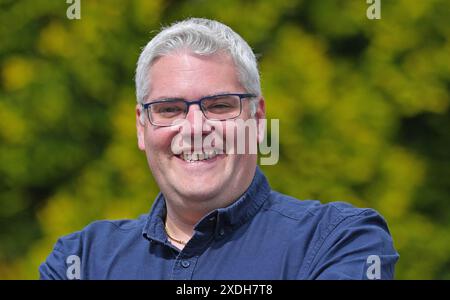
(192,157)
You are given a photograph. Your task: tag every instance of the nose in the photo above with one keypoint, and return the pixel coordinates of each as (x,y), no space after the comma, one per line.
(196,119)
(192,109)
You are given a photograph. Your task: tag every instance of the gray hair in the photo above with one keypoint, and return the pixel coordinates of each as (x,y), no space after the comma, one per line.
(201,37)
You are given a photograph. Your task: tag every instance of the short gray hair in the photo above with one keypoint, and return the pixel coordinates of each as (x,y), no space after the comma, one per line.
(202,37)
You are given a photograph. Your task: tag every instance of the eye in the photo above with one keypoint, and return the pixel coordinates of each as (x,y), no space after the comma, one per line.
(220,105)
(169,109)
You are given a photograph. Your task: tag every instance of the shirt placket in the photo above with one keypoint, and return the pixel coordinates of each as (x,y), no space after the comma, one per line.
(183,268)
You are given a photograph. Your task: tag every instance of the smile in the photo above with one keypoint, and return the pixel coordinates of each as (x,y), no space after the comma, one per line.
(195,157)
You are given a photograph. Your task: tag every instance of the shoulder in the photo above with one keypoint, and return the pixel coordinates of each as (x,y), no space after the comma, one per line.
(92,240)
(102,230)
(296,209)
(321,222)
(339,237)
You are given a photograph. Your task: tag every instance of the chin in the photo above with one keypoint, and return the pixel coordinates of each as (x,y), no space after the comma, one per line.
(200,191)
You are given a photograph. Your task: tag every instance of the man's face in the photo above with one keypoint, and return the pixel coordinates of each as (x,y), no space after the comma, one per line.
(188,76)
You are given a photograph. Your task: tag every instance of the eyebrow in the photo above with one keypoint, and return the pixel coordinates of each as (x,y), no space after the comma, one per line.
(165,99)
(168,98)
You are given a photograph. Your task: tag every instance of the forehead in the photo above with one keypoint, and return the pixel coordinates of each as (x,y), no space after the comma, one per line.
(188,75)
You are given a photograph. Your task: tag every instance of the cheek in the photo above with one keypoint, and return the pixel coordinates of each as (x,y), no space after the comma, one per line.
(158,141)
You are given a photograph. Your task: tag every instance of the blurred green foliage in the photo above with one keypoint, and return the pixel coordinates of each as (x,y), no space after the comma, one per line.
(363,108)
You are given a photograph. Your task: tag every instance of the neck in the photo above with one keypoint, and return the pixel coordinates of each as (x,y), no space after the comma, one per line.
(184,213)
(178,226)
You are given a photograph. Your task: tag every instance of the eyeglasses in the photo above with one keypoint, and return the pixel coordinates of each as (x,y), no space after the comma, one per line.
(217,108)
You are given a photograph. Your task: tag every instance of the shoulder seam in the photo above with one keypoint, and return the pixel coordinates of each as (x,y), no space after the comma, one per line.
(285,215)
(117,226)
(58,249)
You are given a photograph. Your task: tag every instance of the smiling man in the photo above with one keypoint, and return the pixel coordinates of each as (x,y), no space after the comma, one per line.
(216,217)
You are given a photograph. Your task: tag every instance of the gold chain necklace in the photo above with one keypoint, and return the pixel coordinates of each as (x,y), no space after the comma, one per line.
(173,239)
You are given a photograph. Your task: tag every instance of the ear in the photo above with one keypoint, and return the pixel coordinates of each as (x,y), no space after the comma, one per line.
(260,117)
(140,127)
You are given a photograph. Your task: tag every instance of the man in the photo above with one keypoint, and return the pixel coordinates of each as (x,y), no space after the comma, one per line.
(216,216)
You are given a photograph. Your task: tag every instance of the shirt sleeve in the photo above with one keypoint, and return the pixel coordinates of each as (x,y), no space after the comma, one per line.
(64,261)
(359,247)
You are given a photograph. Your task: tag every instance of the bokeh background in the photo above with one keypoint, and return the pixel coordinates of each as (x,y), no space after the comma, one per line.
(363,108)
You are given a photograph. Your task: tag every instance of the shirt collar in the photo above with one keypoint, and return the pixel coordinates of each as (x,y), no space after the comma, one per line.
(230,217)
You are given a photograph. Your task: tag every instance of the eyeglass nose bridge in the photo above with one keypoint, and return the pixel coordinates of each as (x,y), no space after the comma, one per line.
(195,102)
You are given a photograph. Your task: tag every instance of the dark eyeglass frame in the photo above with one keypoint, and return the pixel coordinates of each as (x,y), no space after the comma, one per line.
(198,102)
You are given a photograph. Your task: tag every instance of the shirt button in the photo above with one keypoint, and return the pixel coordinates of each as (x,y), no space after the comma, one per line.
(185,263)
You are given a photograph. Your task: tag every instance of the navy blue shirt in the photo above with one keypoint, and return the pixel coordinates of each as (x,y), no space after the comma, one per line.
(262,235)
